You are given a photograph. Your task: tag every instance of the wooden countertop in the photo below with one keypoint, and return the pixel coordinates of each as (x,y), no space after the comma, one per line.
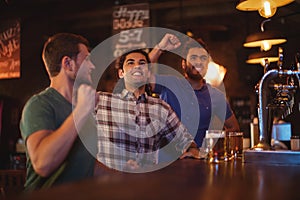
(187,179)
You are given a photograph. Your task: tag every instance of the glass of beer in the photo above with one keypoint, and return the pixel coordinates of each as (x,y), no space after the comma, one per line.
(215,142)
(235,144)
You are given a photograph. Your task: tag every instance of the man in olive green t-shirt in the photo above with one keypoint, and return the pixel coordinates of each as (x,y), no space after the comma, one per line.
(51,121)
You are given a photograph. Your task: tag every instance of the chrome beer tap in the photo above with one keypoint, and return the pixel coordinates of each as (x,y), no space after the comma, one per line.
(276,99)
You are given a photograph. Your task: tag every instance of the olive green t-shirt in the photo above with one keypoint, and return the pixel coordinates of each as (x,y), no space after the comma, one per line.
(47,111)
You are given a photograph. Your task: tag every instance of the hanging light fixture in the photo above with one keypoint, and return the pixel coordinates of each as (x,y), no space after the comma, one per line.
(266,8)
(263,57)
(264,39)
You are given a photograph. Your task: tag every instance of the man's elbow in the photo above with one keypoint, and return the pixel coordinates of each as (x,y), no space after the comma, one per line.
(41,169)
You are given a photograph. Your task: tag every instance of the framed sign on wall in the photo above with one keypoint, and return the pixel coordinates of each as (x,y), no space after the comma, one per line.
(128,21)
(10,49)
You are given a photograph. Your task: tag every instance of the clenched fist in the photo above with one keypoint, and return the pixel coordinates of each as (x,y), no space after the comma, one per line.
(85,99)
(169,42)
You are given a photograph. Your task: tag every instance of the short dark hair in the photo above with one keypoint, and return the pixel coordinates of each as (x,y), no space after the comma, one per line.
(123,57)
(58,46)
(193,43)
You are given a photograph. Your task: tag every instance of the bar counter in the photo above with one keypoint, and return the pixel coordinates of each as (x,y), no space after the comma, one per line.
(186,179)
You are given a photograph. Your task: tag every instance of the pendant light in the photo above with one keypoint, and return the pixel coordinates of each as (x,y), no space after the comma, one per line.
(266,8)
(262,57)
(264,39)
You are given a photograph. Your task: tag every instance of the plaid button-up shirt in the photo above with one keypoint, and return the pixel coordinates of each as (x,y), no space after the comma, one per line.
(135,129)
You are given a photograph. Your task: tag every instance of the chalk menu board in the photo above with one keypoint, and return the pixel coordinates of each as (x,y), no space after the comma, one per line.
(127,20)
(9,49)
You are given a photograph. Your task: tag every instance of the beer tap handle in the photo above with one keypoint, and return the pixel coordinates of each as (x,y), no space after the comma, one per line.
(297,61)
(267,65)
(297,65)
(280,58)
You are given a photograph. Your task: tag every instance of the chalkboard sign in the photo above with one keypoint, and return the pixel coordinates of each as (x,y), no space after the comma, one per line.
(127,19)
(9,49)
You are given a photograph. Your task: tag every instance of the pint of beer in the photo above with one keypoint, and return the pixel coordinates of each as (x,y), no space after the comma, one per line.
(215,142)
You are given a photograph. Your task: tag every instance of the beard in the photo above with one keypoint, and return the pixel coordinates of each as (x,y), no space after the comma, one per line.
(81,76)
(189,72)
(81,80)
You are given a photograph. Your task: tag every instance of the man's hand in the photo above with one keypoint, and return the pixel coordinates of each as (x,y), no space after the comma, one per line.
(169,42)
(131,165)
(85,101)
(191,153)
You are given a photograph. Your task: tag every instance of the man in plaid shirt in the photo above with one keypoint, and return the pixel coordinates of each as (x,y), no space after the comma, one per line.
(134,127)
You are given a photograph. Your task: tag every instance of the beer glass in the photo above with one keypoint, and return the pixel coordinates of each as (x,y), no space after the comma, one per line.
(215,142)
(235,144)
